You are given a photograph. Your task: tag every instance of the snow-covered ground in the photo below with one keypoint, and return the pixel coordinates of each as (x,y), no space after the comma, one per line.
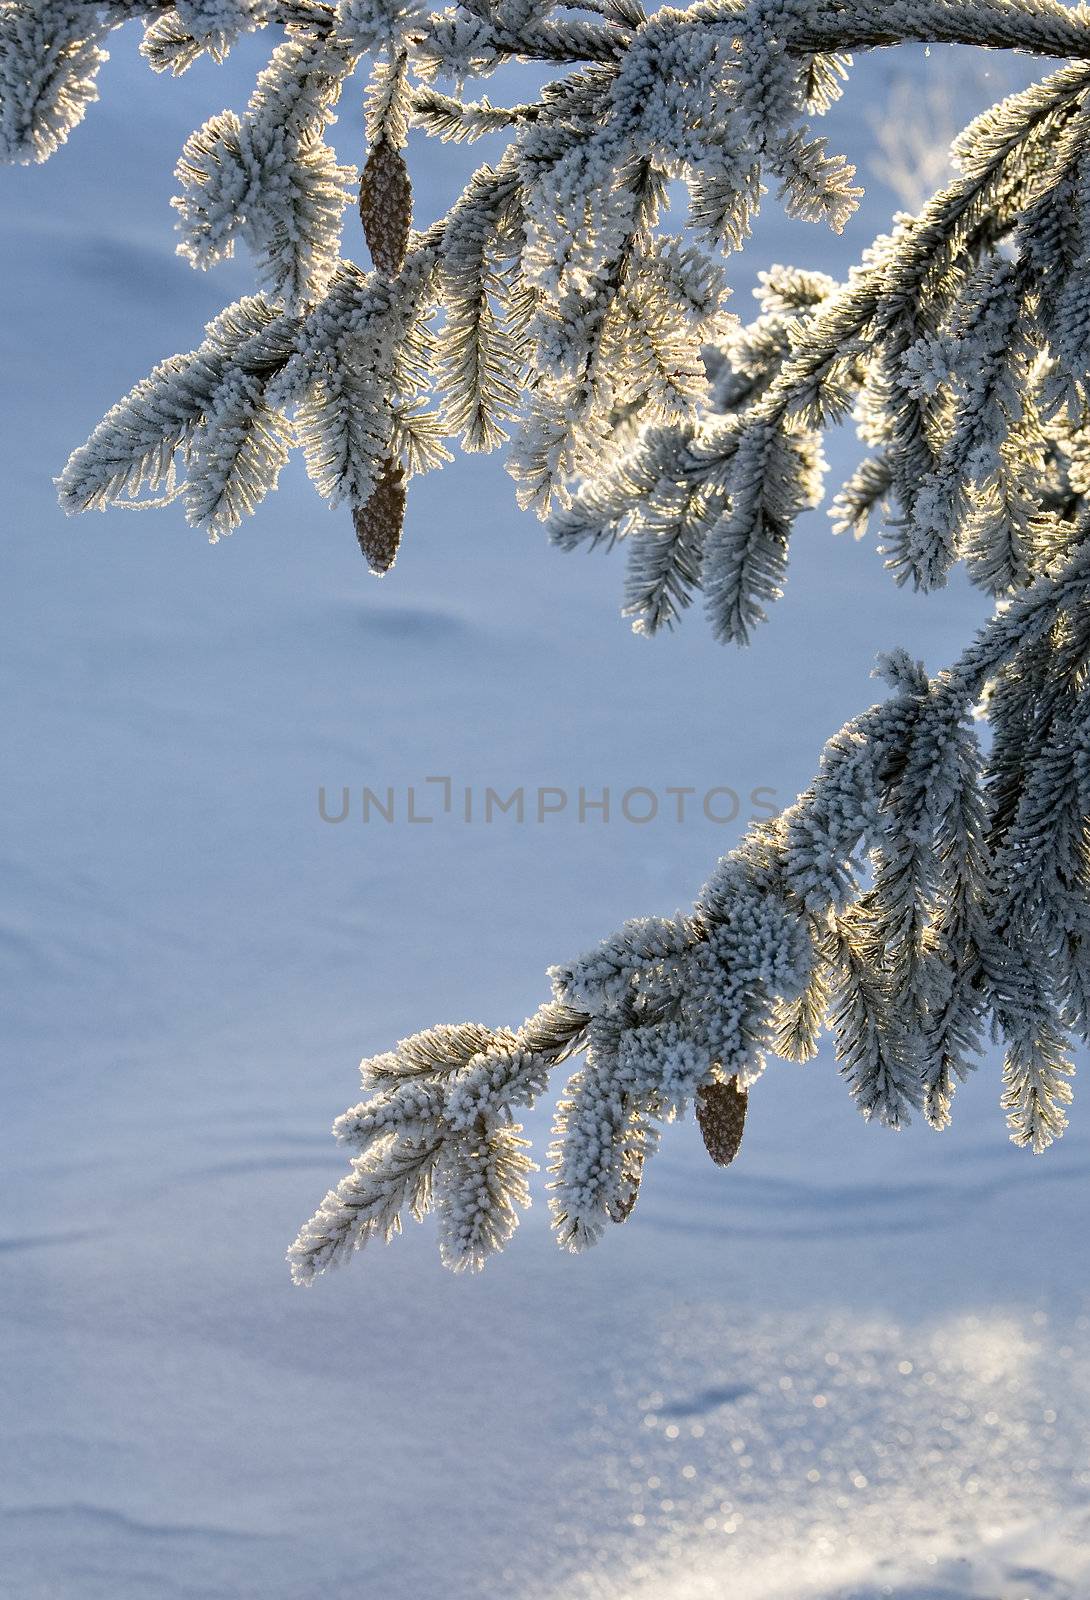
(853,1366)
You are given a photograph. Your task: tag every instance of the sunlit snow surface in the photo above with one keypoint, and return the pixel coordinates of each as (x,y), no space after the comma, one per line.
(845,1456)
(853,1366)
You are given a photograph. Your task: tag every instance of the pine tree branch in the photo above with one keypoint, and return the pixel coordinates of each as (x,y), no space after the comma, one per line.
(928,884)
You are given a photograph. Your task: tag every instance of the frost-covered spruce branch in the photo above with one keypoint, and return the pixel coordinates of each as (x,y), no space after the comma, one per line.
(929,885)
(566,315)
(944,348)
(920,893)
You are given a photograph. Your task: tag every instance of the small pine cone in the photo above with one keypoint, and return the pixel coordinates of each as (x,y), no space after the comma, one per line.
(386,207)
(379,523)
(621,1209)
(721,1113)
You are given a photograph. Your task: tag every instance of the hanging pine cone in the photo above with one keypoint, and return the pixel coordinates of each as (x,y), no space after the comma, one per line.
(379,523)
(386,207)
(721,1113)
(621,1209)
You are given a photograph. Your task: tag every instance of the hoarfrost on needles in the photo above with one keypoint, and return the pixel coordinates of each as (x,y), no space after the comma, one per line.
(930,888)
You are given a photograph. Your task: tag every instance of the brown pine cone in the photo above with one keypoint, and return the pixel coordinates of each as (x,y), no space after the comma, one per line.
(386,207)
(721,1113)
(379,523)
(621,1209)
